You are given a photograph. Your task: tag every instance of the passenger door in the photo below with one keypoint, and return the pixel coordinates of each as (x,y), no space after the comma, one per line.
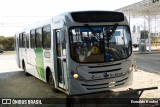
(61,59)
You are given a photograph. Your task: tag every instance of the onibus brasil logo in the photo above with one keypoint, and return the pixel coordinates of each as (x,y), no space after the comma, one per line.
(21,101)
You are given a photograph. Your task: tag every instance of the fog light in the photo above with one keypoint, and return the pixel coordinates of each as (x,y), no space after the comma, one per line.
(75,76)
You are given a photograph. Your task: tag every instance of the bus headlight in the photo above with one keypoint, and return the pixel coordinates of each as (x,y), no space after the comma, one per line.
(77,76)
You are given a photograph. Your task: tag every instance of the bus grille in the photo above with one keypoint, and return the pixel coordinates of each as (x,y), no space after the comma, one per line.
(104,85)
(104,76)
(105,71)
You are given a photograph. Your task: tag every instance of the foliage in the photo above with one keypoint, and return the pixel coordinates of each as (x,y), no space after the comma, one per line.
(1,47)
(6,43)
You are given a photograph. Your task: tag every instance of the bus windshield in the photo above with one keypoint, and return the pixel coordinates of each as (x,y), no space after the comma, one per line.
(91,44)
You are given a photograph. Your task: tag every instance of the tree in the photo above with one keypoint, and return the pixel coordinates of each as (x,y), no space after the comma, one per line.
(6,43)
(1,47)
(10,43)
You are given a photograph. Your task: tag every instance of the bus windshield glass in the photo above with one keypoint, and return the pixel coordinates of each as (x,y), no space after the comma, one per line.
(92,44)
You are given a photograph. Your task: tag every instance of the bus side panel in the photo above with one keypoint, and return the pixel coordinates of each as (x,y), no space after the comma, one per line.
(36,66)
(39,60)
(48,61)
(17,50)
(22,54)
(32,63)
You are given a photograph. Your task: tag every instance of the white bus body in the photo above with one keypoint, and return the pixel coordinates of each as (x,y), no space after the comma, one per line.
(78,52)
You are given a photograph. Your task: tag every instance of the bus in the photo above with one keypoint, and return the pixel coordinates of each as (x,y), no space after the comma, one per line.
(78,52)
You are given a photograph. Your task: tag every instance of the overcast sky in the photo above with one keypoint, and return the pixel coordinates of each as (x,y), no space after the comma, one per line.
(15,14)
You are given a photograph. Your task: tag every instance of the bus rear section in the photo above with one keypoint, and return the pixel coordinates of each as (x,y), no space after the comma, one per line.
(17,49)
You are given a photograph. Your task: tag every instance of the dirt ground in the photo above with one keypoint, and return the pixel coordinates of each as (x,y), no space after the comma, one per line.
(142,79)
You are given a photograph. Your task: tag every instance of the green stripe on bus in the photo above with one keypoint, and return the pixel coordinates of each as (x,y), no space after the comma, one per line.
(40,62)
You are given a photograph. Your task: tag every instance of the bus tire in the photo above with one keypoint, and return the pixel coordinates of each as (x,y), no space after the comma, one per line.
(51,83)
(25,71)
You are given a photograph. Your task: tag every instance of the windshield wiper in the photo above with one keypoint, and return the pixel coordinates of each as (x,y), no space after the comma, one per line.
(92,31)
(109,32)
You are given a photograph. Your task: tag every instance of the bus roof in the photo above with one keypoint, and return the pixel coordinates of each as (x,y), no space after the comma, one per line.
(81,17)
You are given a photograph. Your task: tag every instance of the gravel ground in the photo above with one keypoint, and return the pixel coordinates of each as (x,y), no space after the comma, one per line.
(144,79)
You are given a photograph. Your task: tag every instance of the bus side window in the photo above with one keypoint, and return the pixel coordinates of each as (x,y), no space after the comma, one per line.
(32,39)
(23,39)
(20,40)
(39,38)
(27,40)
(46,37)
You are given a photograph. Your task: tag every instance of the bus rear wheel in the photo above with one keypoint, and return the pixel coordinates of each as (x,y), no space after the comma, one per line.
(51,83)
(25,71)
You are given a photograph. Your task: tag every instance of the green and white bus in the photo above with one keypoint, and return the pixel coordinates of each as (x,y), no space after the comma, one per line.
(78,52)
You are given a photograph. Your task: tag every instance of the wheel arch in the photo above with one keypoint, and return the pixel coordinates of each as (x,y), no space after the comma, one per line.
(23,64)
(48,70)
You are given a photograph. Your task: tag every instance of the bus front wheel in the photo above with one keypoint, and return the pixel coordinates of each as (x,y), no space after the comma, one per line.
(51,83)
